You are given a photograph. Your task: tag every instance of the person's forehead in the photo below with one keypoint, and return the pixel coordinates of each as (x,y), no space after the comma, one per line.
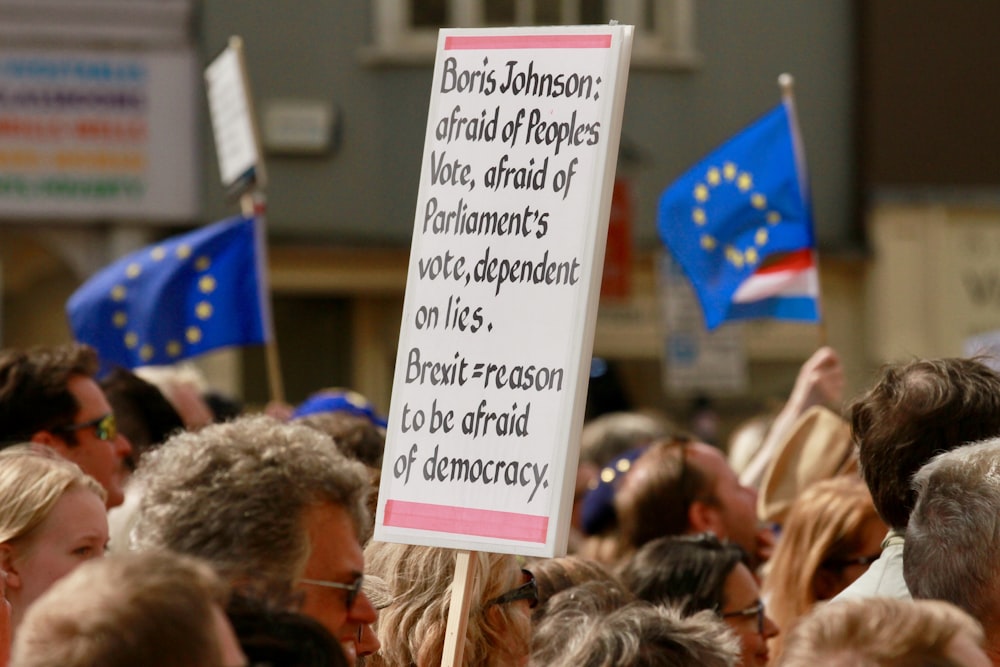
(334,547)
(78,513)
(741,589)
(90,400)
(709,460)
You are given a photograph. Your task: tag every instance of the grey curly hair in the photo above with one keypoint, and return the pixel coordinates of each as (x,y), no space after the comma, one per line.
(235,495)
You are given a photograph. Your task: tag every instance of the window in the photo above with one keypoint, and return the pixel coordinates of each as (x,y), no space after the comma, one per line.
(147,23)
(405,31)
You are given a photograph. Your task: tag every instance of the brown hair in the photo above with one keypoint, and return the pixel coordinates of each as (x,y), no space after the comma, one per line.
(655,495)
(153,609)
(554,575)
(878,632)
(918,409)
(33,392)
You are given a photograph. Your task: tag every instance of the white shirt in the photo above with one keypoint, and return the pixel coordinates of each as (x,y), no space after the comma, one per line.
(884,578)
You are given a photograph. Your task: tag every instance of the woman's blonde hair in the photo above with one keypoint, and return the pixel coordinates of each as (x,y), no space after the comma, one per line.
(412,628)
(825,523)
(32,480)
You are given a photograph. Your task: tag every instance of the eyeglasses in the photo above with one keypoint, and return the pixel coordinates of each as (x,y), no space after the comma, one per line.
(105,427)
(841,563)
(353,589)
(756,610)
(526,591)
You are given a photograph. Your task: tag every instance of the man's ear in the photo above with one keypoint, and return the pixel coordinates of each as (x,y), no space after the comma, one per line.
(50,440)
(705,518)
(44,438)
(8,564)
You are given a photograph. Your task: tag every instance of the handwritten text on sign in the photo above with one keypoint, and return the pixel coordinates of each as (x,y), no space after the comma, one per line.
(500,267)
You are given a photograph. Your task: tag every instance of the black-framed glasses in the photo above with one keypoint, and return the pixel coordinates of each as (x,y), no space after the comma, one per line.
(353,589)
(756,610)
(105,427)
(526,591)
(841,563)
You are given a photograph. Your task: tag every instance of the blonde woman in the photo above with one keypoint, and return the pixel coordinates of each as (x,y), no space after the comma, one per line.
(831,535)
(53,520)
(412,628)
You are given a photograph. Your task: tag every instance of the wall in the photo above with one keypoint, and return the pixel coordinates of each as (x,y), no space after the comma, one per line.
(936,280)
(365,192)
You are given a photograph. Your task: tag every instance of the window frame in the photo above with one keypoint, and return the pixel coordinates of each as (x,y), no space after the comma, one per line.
(138,23)
(668,44)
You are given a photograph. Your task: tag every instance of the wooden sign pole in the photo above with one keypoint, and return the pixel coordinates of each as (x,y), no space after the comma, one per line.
(253,203)
(241,164)
(458,611)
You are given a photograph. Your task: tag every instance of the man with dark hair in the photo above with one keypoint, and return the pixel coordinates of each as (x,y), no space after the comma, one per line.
(915,410)
(144,414)
(677,487)
(48,396)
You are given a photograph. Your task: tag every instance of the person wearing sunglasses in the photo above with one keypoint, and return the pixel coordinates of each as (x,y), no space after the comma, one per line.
(831,536)
(412,628)
(48,395)
(698,572)
(275,508)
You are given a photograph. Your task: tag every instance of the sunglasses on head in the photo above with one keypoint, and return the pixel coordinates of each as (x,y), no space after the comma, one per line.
(526,591)
(105,427)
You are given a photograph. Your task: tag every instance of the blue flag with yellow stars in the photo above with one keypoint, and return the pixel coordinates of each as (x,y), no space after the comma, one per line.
(740,209)
(176,299)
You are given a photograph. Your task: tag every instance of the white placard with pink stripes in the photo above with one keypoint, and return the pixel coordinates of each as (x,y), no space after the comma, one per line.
(501,299)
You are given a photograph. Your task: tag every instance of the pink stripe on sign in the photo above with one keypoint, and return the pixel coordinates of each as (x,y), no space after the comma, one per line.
(466,521)
(528,42)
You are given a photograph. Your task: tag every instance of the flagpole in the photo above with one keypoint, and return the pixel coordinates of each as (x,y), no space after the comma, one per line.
(787,84)
(253,203)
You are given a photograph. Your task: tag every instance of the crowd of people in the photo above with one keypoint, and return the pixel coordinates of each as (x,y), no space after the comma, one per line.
(147,521)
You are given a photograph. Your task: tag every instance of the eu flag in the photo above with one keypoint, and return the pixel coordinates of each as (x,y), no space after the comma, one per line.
(176,299)
(737,211)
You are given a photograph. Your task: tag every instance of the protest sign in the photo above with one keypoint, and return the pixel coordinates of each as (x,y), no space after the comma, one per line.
(696,361)
(234,125)
(502,289)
